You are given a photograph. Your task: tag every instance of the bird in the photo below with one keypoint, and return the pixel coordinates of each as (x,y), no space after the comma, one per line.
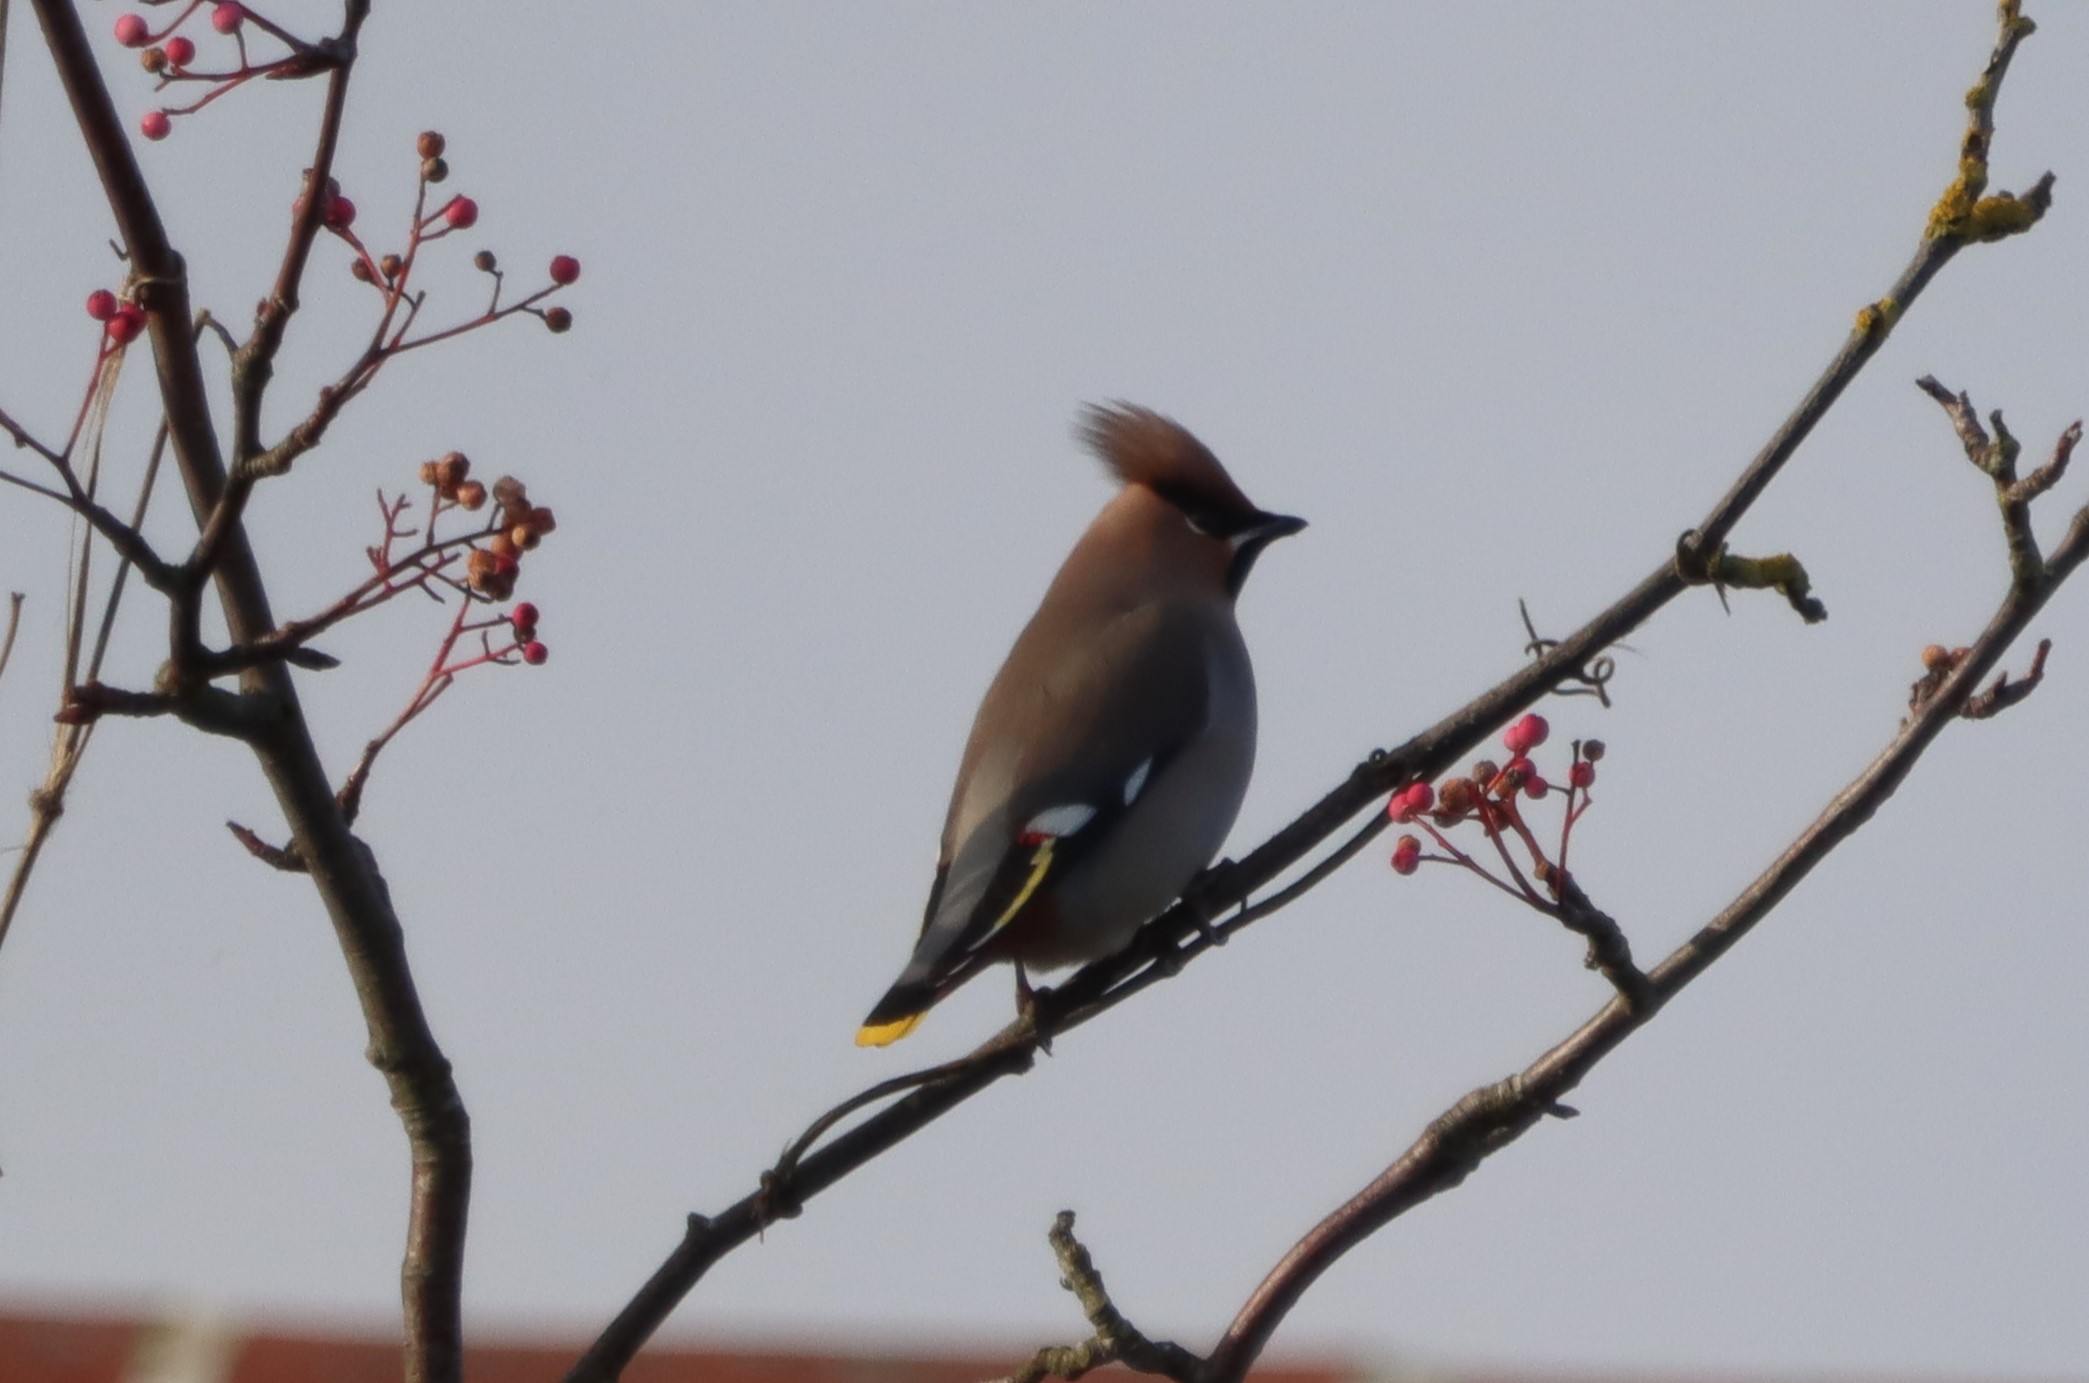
(1113,748)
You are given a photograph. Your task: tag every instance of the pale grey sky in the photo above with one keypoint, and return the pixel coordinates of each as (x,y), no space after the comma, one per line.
(1500,297)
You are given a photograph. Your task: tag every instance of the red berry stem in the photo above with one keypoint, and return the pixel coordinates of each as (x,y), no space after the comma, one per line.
(147,37)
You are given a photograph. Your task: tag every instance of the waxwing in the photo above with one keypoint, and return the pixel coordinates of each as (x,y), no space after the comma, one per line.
(1113,748)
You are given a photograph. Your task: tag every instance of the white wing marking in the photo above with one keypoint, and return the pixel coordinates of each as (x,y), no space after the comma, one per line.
(1060,821)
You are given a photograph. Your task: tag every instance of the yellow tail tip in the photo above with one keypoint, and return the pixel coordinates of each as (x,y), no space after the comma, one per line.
(885,1034)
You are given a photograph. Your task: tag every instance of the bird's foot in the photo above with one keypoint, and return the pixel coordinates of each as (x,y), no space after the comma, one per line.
(1027,1007)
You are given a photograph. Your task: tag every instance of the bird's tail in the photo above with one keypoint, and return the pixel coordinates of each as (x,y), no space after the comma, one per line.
(897,1014)
(885,1034)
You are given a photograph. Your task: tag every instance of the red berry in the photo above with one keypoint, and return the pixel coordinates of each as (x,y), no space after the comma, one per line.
(132,31)
(180,51)
(535,653)
(564,269)
(124,327)
(101,304)
(1523,768)
(1411,801)
(340,212)
(461,214)
(156,124)
(228,16)
(1582,774)
(1526,734)
(1536,786)
(523,616)
(1407,855)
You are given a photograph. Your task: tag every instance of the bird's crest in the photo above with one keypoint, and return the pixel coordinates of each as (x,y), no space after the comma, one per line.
(1141,447)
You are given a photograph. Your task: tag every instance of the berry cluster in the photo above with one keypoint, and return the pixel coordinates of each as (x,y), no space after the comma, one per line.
(425,559)
(390,273)
(121,321)
(517,525)
(491,554)
(1491,797)
(171,55)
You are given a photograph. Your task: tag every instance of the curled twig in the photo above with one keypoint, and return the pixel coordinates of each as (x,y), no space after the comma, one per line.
(1593,679)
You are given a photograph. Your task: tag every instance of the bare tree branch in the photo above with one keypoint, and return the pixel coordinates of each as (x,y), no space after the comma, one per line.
(1185,931)
(402,1046)
(1492,1117)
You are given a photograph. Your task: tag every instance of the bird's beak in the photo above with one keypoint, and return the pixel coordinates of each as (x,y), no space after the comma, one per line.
(1275,526)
